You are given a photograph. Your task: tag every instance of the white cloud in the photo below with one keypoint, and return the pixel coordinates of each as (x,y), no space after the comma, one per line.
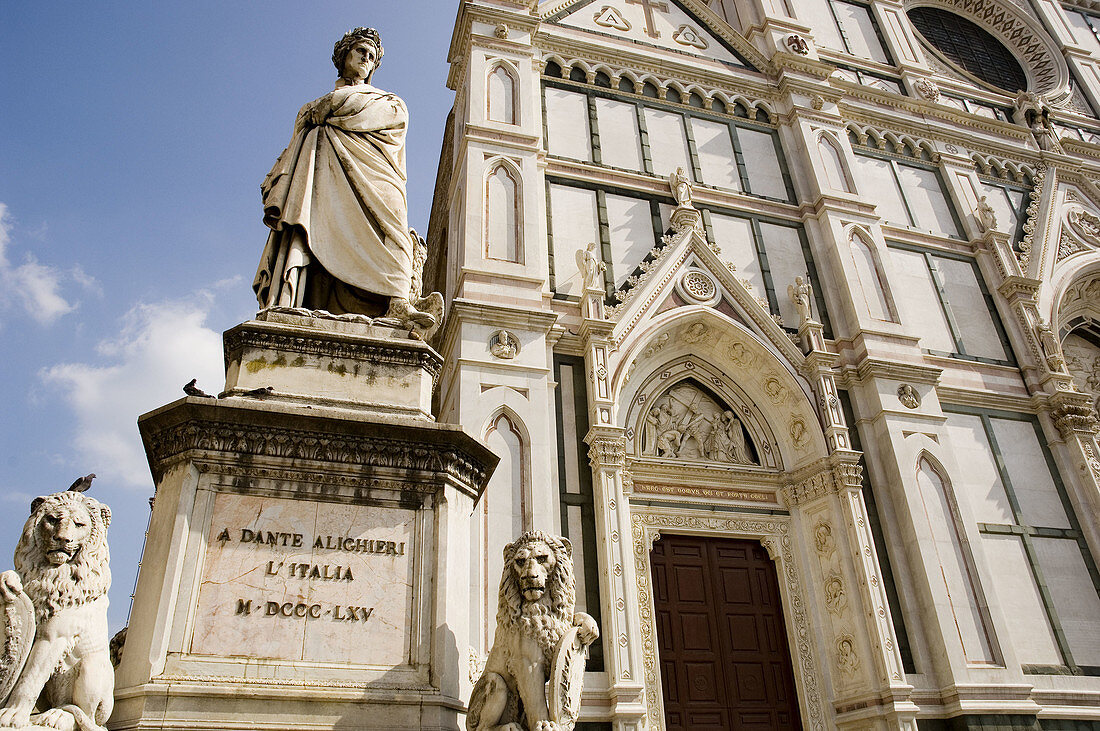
(37,287)
(160,347)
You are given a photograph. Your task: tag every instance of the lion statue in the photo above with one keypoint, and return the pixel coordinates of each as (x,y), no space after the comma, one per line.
(538,638)
(55,618)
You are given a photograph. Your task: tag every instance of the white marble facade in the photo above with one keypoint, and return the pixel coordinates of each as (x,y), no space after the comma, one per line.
(821,138)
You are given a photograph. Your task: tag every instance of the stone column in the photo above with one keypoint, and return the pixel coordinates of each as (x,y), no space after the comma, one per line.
(607,453)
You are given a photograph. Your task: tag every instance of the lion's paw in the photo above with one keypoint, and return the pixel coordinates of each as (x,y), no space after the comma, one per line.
(14,718)
(56,718)
(547,726)
(10,585)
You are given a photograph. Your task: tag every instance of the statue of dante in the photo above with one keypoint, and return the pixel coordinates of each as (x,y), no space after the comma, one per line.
(335,201)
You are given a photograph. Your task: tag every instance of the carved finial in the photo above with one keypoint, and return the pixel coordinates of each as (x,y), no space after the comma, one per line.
(801,293)
(681,188)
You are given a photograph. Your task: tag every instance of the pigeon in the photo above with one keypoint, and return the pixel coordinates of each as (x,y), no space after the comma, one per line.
(82,483)
(260,392)
(192,390)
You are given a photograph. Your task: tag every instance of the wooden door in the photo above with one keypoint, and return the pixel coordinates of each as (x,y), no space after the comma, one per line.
(725,662)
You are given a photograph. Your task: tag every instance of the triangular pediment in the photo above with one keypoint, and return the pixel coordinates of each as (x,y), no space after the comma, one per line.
(672,25)
(690,272)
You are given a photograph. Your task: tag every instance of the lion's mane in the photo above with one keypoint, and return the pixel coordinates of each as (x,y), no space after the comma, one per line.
(546,623)
(84,578)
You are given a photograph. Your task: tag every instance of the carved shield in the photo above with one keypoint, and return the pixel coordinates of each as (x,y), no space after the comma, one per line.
(567,680)
(17,629)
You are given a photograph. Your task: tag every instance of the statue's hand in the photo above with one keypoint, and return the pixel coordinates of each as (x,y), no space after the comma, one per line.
(587,630)
(10,585)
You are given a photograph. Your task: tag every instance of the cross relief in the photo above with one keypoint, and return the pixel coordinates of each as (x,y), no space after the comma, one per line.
(648,6)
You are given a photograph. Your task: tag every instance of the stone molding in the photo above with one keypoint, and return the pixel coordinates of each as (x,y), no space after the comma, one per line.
(846,475)
(774,534)
(207,436)
(263,336)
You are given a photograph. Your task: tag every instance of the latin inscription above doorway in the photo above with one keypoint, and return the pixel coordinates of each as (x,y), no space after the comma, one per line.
(724,658)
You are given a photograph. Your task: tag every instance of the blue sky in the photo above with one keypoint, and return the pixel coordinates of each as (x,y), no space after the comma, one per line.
(135,136)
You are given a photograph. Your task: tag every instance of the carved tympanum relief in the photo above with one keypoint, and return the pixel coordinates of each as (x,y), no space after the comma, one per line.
(1082,359)
(687,423)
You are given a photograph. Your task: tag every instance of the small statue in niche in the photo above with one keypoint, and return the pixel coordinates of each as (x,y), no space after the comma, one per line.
(802,294)
(540,637)
(590,267)
(1052,350)
(987,217)
(681,188)
(1033,111)
(55,642)
(504,345)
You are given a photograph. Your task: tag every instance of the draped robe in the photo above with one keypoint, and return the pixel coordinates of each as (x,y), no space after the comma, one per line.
(337,195)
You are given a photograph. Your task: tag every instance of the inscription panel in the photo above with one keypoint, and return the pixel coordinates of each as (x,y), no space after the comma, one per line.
(302,581)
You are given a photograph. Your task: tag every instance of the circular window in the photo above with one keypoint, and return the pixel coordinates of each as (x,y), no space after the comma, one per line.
(970,47)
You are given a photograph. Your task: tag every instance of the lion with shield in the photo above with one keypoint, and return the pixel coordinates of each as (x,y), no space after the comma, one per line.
(540,643)
(54,626)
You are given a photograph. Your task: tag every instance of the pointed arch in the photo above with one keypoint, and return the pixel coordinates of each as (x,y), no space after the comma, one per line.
(832,160)
(876,292)
(502,513)
(501,92)
(952,551)
(503,212)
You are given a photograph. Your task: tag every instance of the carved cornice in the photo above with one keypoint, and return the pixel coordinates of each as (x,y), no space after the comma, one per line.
(324,344)
(252,440)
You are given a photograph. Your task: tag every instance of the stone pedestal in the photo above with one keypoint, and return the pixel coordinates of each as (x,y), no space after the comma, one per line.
(306,560)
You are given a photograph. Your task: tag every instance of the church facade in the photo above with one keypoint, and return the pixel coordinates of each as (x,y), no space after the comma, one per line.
(786,313)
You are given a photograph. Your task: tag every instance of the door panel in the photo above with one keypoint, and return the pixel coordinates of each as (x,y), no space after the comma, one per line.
(725,662)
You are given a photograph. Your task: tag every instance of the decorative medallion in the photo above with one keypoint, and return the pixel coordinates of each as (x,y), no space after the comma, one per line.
(698,286)
(501,31)
(798,44)
(799,434)
(908,396)
(741,355)
(823,538)
(834,596)
(504,345)
(927,89)
(610,17)
(847,661)
(685,35)
(1085,224)
(695,333)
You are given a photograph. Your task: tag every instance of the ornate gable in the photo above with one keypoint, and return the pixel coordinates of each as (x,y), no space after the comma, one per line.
(685,27)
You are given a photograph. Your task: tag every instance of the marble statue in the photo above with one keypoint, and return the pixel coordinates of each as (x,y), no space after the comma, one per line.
(802,295)
(681,188)
(539,638)
(336,205)
(56,671)
(987,217)
(1052,350)
(591,267)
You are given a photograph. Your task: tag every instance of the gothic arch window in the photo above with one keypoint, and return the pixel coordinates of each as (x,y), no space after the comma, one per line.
(952,551)
(869,271)
(501,86)
(502,513)
(688,421)
(502,214)
(832,160)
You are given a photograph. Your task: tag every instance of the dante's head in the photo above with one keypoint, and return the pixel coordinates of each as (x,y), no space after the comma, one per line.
(355,38)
